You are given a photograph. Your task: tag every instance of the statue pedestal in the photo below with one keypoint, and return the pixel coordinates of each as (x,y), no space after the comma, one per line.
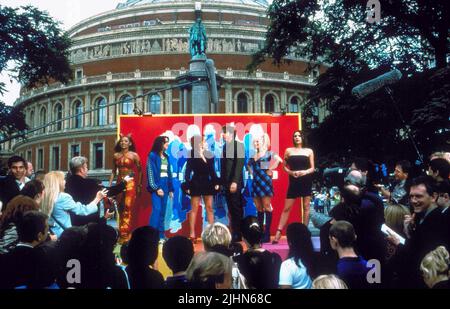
(199,92)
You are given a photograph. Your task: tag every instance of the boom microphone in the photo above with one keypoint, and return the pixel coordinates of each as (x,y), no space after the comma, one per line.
(373,85)
(210,70)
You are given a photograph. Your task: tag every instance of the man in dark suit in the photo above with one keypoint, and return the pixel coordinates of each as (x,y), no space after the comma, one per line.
(84,189)
(11,185)
(231,165)
(424,229)
(18,268)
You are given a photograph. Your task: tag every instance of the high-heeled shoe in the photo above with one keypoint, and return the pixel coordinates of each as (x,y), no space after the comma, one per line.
(277,237)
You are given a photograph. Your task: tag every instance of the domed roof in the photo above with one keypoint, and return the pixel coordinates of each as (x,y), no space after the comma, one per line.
(130,3)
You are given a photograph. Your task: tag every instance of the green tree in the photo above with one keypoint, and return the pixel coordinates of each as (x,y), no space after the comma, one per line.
(34,45)
(411,33)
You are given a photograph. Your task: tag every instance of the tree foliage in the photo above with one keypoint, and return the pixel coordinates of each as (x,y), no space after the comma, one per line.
(36,48)
(411,34)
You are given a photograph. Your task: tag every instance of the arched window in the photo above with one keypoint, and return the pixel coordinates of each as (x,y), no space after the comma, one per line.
(43,118)
(293,105)
(77,111)
(127,104)
(242,103)
(269,104)
(154,104)
(100,105)
(58,112)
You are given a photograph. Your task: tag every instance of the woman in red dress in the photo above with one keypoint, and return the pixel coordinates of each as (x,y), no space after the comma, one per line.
(126,162)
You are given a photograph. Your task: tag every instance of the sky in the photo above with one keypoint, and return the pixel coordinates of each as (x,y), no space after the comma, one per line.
(68,12)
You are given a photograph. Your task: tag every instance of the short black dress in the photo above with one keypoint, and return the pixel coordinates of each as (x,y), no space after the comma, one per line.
(262,183)
(200,176)
(301,186)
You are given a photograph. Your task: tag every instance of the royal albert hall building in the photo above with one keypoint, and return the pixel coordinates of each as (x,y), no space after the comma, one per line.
(140,47)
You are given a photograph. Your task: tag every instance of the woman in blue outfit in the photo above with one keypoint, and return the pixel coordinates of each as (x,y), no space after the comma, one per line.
(57,204)
(159,182)
(262,188)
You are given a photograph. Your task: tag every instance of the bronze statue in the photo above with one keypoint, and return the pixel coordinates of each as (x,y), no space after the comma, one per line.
(197,39)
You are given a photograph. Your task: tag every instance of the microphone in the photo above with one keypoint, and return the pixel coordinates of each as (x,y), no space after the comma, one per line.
(373,85)
(210,70)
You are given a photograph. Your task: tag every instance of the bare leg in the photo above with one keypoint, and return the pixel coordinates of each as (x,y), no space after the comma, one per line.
(305,205)
(195,200)
(266,204)
(288,203)
(258,204)
(208,199)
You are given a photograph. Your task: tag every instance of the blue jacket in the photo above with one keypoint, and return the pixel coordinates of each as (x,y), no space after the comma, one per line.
(154,172)
(63,205)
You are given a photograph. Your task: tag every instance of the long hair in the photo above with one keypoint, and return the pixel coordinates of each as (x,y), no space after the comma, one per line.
(301,247)
(301,135)
(53,183)
(15,209)
(158,144)
(132,147)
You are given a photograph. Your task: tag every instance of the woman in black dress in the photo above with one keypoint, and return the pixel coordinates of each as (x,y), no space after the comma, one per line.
(299,164)
(200,181)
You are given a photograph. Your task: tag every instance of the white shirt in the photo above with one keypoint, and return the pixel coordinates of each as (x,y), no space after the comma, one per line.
(291,274)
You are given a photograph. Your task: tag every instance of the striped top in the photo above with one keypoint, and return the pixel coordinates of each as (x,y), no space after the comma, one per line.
(164,167)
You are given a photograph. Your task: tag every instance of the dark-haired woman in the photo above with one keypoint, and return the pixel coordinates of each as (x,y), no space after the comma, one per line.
(296,271)
(125,162)
(260,267)
(159,182)
(299,164)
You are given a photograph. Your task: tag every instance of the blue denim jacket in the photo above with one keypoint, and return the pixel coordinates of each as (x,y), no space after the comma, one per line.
(154,172)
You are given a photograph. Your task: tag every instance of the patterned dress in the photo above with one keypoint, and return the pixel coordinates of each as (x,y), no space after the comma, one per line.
(126,199)
(262,183)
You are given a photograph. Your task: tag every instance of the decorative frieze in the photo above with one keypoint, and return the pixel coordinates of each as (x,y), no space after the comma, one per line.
(158,46)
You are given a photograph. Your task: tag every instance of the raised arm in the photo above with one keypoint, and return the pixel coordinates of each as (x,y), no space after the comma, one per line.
(276,161)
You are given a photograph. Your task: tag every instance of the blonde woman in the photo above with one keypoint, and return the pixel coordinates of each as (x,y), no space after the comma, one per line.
(435,268)
(329,282)
(200,181)
(57,204)
(261,166)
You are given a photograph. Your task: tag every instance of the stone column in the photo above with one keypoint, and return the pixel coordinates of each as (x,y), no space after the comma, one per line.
(257,99)
(112,108)
(86,107)
(168,102)
(283,105)
(140,101)
(49,116)
(66,108)
(228,98)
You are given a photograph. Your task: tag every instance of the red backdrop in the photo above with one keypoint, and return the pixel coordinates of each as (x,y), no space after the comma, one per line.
(144,129)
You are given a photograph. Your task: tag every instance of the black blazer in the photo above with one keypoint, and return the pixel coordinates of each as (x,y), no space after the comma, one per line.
(8,189)
(232,163)
(84,190)
(426,237)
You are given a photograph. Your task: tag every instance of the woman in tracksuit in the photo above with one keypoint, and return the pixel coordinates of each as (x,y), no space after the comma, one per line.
(159,182)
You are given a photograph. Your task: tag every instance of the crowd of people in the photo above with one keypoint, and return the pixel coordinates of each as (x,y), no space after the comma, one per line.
(53,221)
